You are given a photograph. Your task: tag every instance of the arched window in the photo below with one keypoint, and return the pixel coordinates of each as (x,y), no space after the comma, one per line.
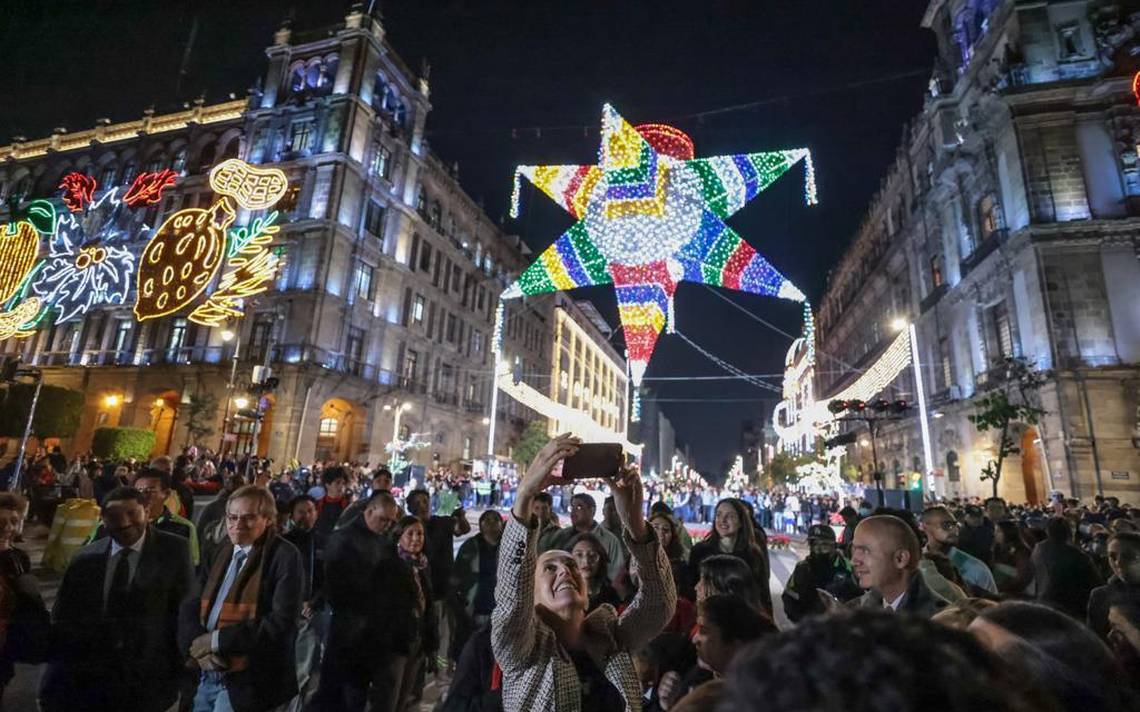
(297,79)
(130,170)
(313,74)
(156,163)
(400,113)
(379,91)
(178,163)
(106,178)
(23,187)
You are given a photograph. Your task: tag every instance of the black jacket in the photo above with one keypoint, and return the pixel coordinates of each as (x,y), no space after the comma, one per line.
(800,596)
(28,624)
(1104,597)
(267,640)
(352,569)
(312,548)
(920,599)
(98,662)
(1065,577)
(402,625)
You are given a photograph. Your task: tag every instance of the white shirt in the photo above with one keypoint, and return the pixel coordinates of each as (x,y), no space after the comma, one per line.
(113,561)
(221,594)
(894,605)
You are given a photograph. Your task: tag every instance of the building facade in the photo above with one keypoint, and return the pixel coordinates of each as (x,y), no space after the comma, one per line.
(384,310)
(1007,228)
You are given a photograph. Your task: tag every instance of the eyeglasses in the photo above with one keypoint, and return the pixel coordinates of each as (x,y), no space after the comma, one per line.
(243,518)
(949,525)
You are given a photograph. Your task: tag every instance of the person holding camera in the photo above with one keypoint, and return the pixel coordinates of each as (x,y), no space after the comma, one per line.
(552,654)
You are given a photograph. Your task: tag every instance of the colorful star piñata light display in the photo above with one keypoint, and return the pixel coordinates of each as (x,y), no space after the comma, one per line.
(650,215)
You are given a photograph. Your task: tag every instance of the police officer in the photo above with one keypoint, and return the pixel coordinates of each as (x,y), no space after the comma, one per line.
(824,568)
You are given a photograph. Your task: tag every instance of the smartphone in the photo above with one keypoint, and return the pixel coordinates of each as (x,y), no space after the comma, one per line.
(593,460)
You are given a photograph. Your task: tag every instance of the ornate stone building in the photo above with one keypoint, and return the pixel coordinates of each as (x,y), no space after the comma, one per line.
(386,301)
(1007,228)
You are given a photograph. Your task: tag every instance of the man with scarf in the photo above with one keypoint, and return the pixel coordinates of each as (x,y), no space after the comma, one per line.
(241,631)
(824,568)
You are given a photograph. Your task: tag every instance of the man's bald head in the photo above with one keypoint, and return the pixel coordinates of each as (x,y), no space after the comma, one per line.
(896,534)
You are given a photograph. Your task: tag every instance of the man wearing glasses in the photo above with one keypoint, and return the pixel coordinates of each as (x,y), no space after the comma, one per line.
(942,531)
(155,487)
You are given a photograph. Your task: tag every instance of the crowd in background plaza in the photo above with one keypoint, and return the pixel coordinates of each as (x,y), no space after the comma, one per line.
(337,586)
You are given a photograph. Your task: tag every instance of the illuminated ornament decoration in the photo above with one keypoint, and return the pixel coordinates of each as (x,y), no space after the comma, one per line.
(147,187)
(650,216)
(19,245)
(250,268)
(253,188)
(1136,87)
(78,191)
(20,322)
(80,274)
(188,250)
(181,259)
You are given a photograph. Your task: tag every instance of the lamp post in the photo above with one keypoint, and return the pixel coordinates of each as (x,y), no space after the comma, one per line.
(227,336)
(899,324)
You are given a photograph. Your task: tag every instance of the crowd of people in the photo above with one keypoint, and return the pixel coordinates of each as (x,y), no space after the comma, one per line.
(335,587)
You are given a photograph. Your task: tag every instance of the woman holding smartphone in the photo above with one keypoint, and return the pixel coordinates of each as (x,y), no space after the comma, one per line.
(553,654)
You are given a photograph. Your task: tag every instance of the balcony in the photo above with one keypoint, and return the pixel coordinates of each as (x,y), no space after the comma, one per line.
(931,299)
(983,250)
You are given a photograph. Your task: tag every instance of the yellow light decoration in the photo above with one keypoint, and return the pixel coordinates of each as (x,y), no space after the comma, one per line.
(181,259)
(250,269)
(19,245)
(253,188)
(12,322)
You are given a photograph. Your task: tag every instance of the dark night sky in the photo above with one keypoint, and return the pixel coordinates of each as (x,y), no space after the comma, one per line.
(498,66)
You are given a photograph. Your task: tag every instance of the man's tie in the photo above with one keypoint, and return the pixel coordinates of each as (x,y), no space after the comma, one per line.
(118,597)
(232,572)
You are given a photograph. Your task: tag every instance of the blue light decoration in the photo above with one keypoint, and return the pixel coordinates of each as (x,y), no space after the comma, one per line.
(85,268)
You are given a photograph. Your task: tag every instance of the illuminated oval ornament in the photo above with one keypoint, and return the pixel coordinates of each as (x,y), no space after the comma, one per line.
(181,259)
(19,245)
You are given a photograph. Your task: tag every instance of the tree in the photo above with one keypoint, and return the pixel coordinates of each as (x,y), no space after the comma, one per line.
(532,440)
(781,470)
(58,411)
(201,412)
(996,411)
(122,443)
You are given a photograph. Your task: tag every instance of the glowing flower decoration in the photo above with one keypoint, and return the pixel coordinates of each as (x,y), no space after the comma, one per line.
(650,216)
(80,274)
(78,191)
(147,187)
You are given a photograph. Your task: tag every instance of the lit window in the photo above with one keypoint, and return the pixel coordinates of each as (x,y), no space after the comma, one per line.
(418,310)
(363,280)
(300,136)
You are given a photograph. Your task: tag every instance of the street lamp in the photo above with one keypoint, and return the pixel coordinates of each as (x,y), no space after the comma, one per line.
(160,403)
(241,403)
(111,400)
(898,323)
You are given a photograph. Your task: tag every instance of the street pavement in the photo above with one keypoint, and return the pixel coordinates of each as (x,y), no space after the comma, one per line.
(21,693)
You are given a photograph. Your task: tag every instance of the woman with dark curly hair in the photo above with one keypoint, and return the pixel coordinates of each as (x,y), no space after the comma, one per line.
(733,534)
(668,531)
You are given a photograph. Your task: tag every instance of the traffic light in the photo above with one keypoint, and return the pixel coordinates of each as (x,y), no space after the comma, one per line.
(900,406)
(837,406)
(880,405)
(856,406)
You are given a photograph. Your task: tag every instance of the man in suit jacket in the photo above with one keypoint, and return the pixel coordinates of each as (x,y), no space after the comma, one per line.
(241,630)
(115,643)
(884,558)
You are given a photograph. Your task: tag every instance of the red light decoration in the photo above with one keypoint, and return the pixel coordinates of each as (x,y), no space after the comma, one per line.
(78,191)
(667,140)
(1136,87)
(147,187)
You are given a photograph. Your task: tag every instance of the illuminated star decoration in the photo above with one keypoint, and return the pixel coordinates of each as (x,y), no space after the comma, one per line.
(83,270)
(650,216)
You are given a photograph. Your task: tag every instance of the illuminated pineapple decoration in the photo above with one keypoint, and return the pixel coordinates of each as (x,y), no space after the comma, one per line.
(19,245)
(181,259)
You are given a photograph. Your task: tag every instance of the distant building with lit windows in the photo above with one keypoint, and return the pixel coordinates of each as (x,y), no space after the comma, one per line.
(385,305)
(1007,227)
